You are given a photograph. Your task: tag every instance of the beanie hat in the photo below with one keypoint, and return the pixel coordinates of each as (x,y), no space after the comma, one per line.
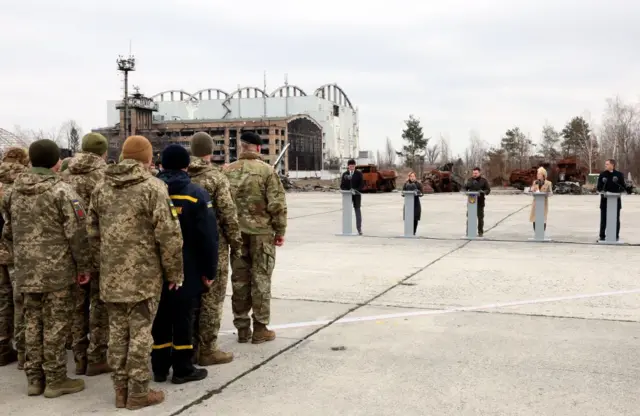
(175,157)
(137,148)
(201,144)
(95,143)
(44,153)
(251,138)
(16,155)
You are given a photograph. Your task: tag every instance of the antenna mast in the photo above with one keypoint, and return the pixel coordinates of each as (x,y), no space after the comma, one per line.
(126,65)
(264,97)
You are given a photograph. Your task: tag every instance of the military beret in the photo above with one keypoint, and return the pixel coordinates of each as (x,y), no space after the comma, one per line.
(44,153)
(201,144)
(95,143)
(251,138)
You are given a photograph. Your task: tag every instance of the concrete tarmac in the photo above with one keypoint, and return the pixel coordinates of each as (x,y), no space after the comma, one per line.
(433,325)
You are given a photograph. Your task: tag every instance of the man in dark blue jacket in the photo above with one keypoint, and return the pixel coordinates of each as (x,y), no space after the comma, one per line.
(173,327)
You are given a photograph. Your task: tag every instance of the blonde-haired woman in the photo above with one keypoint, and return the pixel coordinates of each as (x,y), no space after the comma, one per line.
(541,184)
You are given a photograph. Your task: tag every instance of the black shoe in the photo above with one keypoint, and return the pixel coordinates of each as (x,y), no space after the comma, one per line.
(196,375)
(160,378)
(359,232)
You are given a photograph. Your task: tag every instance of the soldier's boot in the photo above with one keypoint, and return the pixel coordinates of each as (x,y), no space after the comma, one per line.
(35,388)
(21,360)
(216,357)
(81,366)
(151,398)
(244,334)
(121,397)
(262,334)
(7,354)
(68,386)
(95,369)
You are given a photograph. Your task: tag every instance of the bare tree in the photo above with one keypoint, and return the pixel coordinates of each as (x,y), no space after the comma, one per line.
(433,153)
(476,153)
(445,150)
(588,147)
(390,154)
(72,132)
(379,159)
(621,132)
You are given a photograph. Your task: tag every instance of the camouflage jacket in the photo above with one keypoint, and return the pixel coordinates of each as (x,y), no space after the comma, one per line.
(258,194)
(46,224)
(8,173)
(84,172)
(211,178)
(134,233)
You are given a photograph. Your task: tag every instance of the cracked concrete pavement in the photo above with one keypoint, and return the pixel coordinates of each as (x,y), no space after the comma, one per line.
(436,325)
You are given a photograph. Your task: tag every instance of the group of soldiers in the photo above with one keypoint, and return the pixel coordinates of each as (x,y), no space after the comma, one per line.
(133,262)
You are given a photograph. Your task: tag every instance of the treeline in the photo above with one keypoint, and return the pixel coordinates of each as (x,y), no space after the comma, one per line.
(617,136)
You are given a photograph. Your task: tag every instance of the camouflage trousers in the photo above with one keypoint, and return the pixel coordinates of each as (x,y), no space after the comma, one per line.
(47,321)
(11,309)
(130,343)
(89,317)
(211,307)
(251,280)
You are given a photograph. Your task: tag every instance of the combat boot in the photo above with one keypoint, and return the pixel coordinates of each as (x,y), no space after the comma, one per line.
(262,334)
(216,357)
(149,399)
(35,388)
(81,366)
(7,354)
(21,360)
(243,335)
(66,386)
(95,369)
(121,397)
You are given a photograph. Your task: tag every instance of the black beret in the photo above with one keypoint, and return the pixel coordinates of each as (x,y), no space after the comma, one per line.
(44,153)
(251,138)
(175,157)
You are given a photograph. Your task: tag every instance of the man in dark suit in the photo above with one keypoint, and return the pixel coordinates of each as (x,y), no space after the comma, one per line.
(610,180)
(353,180)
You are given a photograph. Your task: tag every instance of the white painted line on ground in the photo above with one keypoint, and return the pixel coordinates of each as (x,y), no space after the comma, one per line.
(447,311)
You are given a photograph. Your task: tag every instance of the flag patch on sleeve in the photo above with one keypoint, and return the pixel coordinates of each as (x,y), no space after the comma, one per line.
(78,209)
(210,204)
(174,211)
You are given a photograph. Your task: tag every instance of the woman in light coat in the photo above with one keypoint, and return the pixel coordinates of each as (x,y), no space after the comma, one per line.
(541,185)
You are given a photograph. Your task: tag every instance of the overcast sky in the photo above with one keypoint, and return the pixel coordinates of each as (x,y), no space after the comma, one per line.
(458,65)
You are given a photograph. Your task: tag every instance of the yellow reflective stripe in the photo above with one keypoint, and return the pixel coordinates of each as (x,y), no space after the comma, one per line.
(183,347)
(186,197)
(159,347)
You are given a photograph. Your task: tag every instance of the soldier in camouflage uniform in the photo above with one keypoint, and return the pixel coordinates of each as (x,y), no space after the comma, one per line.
(15,162)
(262,213)
(84,172)
(134,230)
(46,225)
(214,181)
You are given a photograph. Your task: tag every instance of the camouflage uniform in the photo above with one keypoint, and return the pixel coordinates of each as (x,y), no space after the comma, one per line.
(214,181)
(84,172)
(262,214)
(46,225)
(136,239)
(11,302)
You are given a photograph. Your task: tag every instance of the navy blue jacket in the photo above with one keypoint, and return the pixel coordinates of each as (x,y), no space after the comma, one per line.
(199,230)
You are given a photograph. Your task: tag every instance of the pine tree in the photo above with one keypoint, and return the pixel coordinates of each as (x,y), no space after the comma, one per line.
(416,144)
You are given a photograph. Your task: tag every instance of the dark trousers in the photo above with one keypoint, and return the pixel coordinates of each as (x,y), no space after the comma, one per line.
(415,226)
(173,334)
(357,201)
(534,226)
(603,222)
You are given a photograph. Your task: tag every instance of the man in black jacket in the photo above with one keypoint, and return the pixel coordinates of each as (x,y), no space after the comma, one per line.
(353,180)
(479,184)
(610,180)
(173,327)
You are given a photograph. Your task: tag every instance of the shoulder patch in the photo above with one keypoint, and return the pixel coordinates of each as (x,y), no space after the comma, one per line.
(78,209)
(174,211)
(210,204)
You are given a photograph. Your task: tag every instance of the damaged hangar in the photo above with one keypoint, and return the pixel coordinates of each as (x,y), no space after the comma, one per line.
(318,127)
